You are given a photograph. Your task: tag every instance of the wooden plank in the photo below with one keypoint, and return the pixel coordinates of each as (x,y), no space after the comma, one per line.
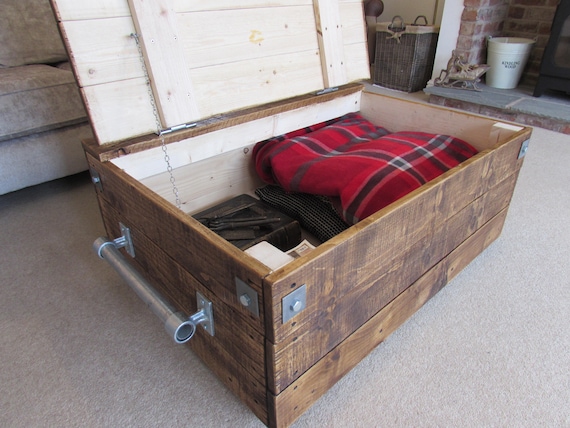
(330,269)
(212,260)
(357,65)
(286,115)
(119,110)
(103,50)
(377,286)
(466,252)
(188,148)
(228,87)
(380,236)
(157,28)
(355,41)
(146,165)
(331,42)
(240,136)
(69,10)
(246,34)
(347,261)
(286,407)
(221,5)
(108,68)
(479,213)
(400,115)
(256,56)
(209,182)
(351,16)
(220,90)
(149,167)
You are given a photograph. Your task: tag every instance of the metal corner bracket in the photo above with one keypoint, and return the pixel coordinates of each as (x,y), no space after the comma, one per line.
(294,303)
(96,179)
(524,148)
(247,296)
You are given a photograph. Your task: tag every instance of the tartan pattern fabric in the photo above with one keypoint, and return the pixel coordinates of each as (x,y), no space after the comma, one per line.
(361,167)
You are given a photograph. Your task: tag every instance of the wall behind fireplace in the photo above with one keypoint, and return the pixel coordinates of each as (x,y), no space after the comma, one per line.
(531,19)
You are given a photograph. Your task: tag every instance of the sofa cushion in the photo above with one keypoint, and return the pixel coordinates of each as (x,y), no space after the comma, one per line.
(36,98)
(29,34)
(37,158)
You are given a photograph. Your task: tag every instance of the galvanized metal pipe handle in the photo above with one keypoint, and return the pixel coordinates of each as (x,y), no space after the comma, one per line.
(180,328)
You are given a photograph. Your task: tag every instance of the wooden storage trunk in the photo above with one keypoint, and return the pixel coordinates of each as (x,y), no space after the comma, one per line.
(235,76)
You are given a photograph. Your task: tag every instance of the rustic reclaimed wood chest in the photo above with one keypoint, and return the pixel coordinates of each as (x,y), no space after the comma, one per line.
(178,93)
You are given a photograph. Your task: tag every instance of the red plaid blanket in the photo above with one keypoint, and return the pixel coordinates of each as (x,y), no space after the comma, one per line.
(359,166)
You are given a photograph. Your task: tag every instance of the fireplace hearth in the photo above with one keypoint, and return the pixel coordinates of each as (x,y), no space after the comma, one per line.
(555,65)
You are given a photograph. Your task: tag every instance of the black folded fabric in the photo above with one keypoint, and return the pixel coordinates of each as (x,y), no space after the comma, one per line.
(314,213)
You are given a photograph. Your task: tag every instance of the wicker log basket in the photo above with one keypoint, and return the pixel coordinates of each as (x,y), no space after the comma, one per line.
(404,54)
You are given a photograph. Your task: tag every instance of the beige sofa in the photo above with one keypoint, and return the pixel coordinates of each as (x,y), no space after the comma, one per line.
(42,118)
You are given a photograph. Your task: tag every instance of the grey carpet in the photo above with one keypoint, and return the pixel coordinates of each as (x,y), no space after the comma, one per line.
(77,347)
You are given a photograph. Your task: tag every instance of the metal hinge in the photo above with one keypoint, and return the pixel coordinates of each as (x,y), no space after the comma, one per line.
(177,128)
(327,91)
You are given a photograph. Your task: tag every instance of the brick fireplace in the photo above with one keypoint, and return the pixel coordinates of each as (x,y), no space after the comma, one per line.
(473,21)
(530,19)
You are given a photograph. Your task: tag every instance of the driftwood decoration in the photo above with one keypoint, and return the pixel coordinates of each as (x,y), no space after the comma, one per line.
(461,75)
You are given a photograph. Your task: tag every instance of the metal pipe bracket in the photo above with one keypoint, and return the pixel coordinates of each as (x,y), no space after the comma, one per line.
(181,329)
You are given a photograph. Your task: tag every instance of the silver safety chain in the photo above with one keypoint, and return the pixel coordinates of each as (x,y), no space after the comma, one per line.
(157,120)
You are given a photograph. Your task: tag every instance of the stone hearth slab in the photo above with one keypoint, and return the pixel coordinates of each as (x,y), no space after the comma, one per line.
(550,111)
